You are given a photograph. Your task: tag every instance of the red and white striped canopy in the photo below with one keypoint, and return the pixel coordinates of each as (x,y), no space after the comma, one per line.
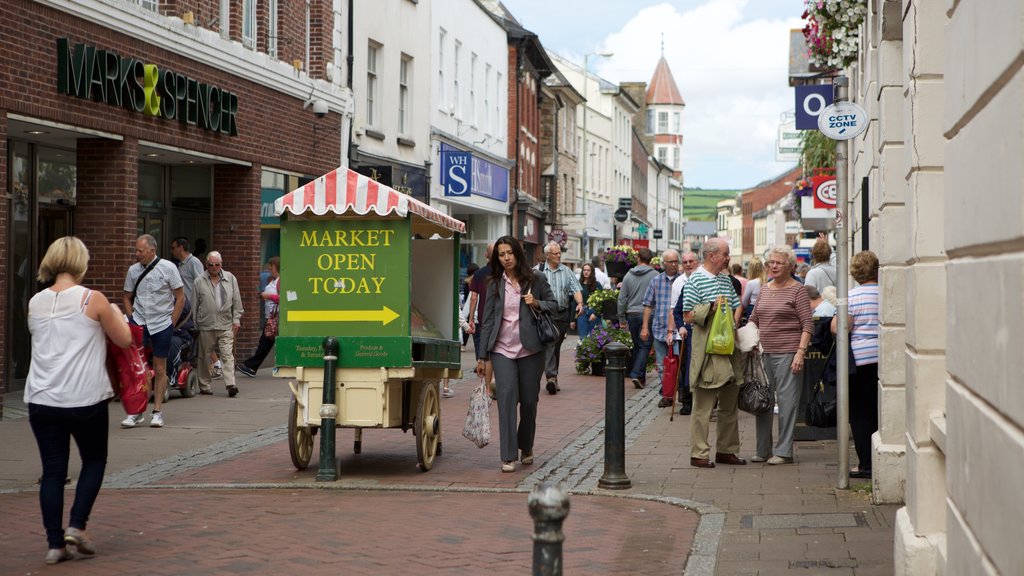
(345,191)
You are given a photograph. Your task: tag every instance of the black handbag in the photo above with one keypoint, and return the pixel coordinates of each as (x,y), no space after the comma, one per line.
(821,409)
(546,330)
(756,394)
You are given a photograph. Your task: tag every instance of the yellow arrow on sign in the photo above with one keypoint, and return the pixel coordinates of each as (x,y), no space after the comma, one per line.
(385,315)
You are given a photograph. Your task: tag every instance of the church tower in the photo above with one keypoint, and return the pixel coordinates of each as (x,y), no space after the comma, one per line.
(665,117)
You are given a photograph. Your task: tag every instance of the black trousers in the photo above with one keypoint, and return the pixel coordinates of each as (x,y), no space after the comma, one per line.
(262,349)
(864,411)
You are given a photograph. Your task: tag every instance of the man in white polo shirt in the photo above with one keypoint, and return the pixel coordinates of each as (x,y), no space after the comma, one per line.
(153,299)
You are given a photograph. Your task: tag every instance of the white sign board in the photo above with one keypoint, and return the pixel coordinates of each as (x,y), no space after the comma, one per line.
(843,121)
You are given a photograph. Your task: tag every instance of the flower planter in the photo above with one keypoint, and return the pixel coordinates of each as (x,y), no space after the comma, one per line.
(610,311)
(617,269)
(597,368)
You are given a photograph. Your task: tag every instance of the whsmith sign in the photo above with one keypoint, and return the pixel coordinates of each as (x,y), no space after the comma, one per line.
(104,76)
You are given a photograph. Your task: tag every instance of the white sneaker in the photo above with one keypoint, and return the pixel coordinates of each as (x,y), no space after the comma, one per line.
(448,393)
(133,419)
(157,421)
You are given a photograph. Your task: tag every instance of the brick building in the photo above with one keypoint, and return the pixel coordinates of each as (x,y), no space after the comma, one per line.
(757,199)
(170,118)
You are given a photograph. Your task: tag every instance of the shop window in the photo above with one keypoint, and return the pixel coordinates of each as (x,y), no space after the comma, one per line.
(57,176)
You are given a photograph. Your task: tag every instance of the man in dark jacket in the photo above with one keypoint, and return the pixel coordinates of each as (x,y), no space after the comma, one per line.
(631,314)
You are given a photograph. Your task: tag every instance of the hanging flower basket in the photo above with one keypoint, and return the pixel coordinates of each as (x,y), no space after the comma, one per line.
(832,31)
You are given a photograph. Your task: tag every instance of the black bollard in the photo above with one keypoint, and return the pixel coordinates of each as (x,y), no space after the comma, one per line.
(615,419)
(548,506)
(328,471)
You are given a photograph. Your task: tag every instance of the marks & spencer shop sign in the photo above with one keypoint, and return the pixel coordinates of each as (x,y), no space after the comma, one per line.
(104,76)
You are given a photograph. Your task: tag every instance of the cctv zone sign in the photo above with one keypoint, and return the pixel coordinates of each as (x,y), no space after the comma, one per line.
(457,175)
(104,76)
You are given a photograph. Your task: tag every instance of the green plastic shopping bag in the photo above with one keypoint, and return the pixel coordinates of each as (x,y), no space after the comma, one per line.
(720,337)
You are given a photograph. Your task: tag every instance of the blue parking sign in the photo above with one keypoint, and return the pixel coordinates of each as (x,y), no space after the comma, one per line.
(810,101)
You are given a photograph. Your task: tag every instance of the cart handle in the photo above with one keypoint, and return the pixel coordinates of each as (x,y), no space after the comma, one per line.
(295,393)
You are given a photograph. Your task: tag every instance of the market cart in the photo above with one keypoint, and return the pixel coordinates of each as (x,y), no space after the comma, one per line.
(378,270)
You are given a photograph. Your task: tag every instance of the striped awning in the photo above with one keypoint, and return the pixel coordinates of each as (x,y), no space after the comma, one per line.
(344,191)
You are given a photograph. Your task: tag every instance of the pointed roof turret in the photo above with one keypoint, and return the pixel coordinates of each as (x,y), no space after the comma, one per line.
(663,89)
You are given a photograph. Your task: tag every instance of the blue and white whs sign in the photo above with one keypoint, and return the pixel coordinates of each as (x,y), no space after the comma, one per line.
(810,101)
(843,121)
(455,167)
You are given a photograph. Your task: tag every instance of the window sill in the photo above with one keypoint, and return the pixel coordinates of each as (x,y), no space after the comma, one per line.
(406,142)
(371,133)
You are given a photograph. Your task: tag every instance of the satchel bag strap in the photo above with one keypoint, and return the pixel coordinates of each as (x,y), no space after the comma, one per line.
(135,289)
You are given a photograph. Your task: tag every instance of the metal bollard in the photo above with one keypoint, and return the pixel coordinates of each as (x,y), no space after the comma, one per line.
(615,419)
(328,471)
(548,506)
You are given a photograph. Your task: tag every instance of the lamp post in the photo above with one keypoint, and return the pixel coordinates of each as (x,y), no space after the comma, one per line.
(586,74)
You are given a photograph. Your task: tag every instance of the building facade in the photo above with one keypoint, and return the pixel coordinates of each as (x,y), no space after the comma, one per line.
(122,118)
(470,168)
(391,81)
(942,85)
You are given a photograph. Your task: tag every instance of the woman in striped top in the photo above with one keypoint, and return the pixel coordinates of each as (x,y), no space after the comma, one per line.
(863,324)
(783,317)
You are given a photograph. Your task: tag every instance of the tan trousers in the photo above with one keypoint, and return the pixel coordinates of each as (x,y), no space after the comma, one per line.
(223,341)
(728,435)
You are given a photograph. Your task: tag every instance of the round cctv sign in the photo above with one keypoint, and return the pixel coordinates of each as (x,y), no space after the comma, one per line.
(842,121)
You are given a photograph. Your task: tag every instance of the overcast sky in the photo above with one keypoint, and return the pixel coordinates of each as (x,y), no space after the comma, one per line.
(729,57)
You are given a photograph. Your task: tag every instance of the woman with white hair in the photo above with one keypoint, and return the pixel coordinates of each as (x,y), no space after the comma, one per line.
(783,316)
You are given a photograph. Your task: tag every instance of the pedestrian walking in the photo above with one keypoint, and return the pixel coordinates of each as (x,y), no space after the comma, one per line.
(657,305)
(509,338)
(218,316)
(823,273)
(68,389)
(154,297)
(783,317)
(271,298)
(588,285)
(631,314)
(567,292)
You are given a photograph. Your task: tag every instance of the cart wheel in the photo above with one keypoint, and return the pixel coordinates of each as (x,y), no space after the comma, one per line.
(357,444)
(191,387)
(427,426)
(300,439)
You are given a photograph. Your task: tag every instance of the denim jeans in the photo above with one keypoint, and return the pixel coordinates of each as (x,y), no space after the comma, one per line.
(53,428)
(641,348)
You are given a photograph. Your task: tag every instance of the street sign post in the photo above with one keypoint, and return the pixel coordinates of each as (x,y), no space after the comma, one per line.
(621,215)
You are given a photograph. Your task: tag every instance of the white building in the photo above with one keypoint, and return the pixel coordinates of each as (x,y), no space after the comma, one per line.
(469,173)
(391,49)
(941,160)
(595,196)
(730,224)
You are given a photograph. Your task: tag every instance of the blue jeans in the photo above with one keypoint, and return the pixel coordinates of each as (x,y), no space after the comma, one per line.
(583,323)
(641,348)
(53,428)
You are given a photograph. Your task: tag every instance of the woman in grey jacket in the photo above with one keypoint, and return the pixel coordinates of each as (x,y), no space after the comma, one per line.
(509,339)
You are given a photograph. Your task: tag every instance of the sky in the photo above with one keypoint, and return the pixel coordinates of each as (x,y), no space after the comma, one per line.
(730,59)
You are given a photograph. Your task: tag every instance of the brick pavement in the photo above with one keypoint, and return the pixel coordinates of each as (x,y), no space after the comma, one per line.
(210,476)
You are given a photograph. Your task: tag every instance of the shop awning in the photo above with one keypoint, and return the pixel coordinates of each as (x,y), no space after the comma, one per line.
(347,192)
